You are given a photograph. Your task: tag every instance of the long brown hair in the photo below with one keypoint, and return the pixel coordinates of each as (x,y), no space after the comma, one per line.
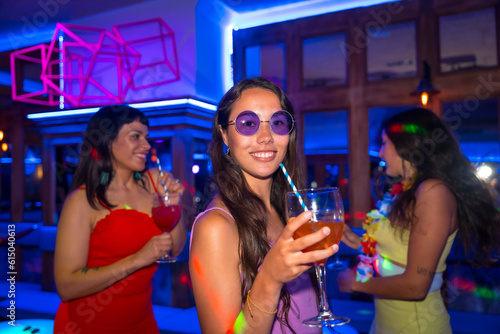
(421,138)
(246,206)
(96,155)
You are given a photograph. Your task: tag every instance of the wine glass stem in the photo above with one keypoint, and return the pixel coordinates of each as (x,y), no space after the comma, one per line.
(323,299)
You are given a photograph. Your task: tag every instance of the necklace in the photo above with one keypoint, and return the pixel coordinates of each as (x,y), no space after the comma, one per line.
(365,268)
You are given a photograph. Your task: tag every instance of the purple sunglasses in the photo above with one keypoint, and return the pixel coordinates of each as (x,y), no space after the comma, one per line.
(247,123)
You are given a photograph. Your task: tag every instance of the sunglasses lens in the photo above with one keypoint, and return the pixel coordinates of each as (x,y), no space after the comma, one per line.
(281,123)
(247,123)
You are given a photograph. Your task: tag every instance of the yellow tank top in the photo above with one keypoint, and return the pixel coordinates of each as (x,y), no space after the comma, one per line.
(393,248)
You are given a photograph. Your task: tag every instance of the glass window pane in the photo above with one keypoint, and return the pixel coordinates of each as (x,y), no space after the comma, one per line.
(391,51)
(324,61)
(267,61)
(476,128)
(321,125)
(477,35)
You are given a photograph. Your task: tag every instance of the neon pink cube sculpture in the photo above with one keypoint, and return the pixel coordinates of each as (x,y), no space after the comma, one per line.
(91,65)
(155,42)
(26,66)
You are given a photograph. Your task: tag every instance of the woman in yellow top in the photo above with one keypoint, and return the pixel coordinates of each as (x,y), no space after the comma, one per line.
(445,197)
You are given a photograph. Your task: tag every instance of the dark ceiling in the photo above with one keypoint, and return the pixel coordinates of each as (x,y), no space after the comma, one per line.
(25,14)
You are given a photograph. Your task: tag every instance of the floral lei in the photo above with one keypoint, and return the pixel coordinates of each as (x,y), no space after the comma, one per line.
(365,268)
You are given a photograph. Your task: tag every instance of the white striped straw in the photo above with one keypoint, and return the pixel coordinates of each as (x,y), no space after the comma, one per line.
(294,188)
(162,182)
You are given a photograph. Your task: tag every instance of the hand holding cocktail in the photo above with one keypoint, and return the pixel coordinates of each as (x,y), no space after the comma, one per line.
(286,260)
(166,213)
(325,205)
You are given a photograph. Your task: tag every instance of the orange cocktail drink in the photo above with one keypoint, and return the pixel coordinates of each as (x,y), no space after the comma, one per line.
(336,229)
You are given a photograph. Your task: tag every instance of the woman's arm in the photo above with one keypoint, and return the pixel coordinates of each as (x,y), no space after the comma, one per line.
(435,210)
(215,273)
(350,238)
(72,277)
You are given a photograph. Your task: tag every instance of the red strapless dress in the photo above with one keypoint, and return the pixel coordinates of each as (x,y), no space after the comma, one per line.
(125,306)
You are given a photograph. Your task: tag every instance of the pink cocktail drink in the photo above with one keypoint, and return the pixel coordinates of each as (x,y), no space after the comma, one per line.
(166,214)
(166,217)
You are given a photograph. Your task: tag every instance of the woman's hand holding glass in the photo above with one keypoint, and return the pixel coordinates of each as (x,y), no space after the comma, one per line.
(166,209)
(286,259)
(166,213)
(155,248)
(327,210)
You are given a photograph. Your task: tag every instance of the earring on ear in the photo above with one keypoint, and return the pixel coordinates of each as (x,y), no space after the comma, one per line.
(104,178)
(137,176)
(228,151)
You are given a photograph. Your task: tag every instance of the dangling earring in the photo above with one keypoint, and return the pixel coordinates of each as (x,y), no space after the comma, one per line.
(104,178)
(228,151)
(137,176)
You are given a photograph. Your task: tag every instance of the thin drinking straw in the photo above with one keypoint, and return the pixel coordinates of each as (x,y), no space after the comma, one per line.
(294,188)
(162,181)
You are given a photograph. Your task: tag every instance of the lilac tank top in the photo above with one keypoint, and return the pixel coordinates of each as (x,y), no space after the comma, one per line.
(302,296)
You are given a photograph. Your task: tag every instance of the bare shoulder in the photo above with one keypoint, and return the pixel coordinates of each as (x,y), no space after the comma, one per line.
(215,225)
(434,189)
(436,207)
(77,199)
(77,209)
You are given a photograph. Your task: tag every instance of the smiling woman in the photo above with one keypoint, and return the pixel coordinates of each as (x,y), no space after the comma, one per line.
(248,272)
(107,243)
(255,146)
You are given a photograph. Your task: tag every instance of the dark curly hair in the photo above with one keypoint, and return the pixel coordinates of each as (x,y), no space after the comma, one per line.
(96,155)
(244,204)
(421,138)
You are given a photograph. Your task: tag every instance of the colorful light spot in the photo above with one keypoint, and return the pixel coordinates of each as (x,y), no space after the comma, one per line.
(240,325)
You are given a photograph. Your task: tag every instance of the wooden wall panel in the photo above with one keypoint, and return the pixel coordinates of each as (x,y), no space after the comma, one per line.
(359,95)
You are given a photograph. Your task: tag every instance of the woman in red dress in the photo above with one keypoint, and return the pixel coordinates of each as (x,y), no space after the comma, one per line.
(107,242)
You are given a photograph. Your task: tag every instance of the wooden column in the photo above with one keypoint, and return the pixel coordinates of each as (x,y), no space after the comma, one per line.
(48,208)
(359,160)
(17,168)
(427,44)
(182,156)
(182,148)
(48,182)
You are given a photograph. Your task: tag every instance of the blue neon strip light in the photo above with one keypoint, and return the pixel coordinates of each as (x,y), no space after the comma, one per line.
(51,114)
(193,102)
(299,10)
(35,161)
